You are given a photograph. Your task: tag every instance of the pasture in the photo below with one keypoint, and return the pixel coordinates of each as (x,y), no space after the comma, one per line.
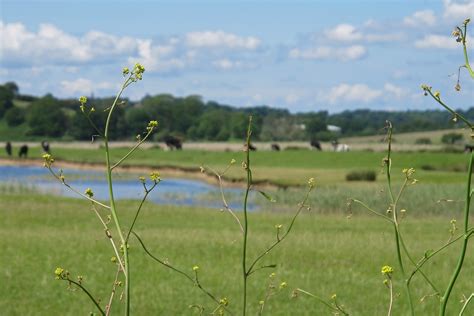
(42,232)
(39,233)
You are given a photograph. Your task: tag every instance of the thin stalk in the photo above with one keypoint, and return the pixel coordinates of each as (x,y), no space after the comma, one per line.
(112,294)
(445,297)
(395,219)
(132,150)
(195,281)
(247,190)
(109,236)
(279,239)
(112,200)
(425,259)
(79,285)
(390,306)
(466,57)
(322,301)
(463,309)
(139,209)
(454,113)
(224,200)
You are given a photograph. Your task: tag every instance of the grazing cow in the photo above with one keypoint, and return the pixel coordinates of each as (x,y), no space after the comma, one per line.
(468,148)
(45,146)
(340,147)
(173,142)
(251,147)
(23,153)
(8,149)
(275,147)
(316,144)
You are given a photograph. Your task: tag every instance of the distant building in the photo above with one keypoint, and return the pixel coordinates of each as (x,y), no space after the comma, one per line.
(333,128)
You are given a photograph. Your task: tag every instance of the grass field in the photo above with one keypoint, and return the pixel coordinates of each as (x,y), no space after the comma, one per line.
(326,254)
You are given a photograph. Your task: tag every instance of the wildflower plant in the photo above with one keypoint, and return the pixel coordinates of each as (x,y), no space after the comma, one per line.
(393,215)
(408,265)
(119,234)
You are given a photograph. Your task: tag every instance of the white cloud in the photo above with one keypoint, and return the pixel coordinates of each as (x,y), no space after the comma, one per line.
(83,86)
(395,91)
(353,52)
(344,32)
(458,11)
(420,18)
(439,41)
(50,45)
(351,93)
(220,39)
(226,64)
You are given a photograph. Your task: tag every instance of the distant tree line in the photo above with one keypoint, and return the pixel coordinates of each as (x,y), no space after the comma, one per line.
(190,118)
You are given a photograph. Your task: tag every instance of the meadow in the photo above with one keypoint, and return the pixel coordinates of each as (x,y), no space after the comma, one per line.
(39,233)
(284,168)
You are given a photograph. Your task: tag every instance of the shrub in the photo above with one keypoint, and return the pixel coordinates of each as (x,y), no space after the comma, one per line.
(452,138)
(423,141)
(361,175)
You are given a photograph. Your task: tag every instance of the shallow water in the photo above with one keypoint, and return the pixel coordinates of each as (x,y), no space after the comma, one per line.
(170,191)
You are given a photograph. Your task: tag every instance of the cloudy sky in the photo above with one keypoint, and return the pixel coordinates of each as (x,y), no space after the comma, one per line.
(301,55)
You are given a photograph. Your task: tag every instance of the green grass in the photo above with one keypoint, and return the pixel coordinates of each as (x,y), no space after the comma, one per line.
(326,254)
(285,167)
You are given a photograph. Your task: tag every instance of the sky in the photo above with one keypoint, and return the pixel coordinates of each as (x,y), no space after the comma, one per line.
(299,55)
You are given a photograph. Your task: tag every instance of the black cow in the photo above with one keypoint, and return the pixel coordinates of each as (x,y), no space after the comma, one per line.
(275,147)
(316,144)
(23,153)
(468,148)
(45,146)
(8,149)
(251,147)
(173,142)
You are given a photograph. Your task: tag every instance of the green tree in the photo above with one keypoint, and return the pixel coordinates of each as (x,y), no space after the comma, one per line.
(15,116)
(45,118)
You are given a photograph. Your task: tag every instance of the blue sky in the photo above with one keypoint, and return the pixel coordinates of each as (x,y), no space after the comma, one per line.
(299,55)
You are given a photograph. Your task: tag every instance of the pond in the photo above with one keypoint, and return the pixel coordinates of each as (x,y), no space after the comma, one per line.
(170,191)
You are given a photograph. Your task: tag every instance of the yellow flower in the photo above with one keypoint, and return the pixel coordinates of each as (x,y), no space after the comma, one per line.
(283,285)
(155,176)
(223,301)
(232,161)
(83,100)
(152,125)
(334,296)
(48,160)
(437,94)
(195,268)
(311,183)
(89,192)
(125,71)
(58,272)
(387,270)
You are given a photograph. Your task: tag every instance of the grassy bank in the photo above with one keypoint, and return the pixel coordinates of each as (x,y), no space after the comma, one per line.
(285,168)
(326,254)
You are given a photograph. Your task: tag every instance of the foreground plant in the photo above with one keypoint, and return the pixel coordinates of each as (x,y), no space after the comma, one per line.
(119,236)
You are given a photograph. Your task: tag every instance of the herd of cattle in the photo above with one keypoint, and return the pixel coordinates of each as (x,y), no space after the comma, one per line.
(175,143)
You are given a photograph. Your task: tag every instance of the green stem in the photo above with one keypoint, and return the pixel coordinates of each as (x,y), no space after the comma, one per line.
(79,285)
(395,219)
(445,297)
(113,208)
(244,248)
(132,150)
(321,300)
(466,57)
